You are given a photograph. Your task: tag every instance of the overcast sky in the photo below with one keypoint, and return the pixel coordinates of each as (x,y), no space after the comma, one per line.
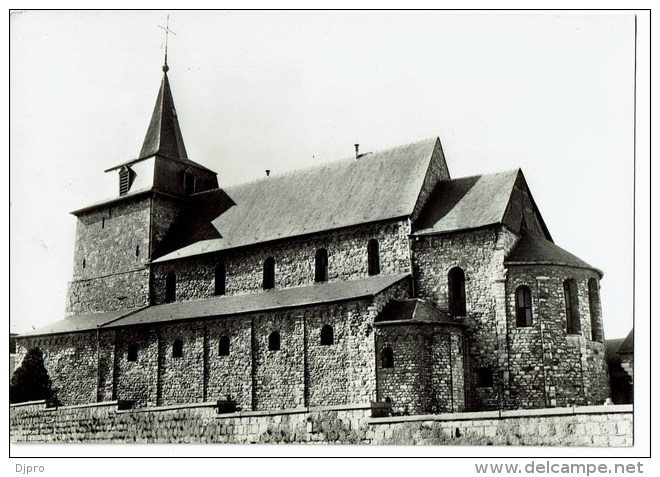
(550,93)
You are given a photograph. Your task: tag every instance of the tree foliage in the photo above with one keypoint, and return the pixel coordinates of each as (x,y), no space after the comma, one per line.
(30,382)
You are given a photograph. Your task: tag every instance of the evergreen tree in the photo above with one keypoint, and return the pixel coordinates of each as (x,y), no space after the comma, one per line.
(30,382)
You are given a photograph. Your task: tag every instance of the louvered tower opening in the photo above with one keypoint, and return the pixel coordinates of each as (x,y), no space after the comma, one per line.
(124,180)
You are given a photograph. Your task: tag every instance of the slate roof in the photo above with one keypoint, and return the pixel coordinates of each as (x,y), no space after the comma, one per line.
(612,356)
(467,203)
(534,249)
(377,186)
(414,310)
(164,137)
(164,134)
(627,344)
(84,322)
(269,300)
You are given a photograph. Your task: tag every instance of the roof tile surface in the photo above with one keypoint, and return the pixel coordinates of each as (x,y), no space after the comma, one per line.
(84,322)
(377,186)
(467,202)
(532,248)
(262,301)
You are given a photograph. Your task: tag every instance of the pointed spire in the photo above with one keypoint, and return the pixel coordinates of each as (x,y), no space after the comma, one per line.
(164,134)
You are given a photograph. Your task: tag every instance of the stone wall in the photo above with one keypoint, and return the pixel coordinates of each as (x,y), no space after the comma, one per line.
(279,375)
(532,367)
(427,359)
(606,426)
(71,362)
(294,262)
(164,212)
(302,372)
(480,254)
(112,292)
(549,366)
(136,380)
(106,239)
(112,249)
(229,375)
(111,252)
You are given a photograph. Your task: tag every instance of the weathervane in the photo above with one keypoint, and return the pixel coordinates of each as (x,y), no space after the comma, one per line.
(167,32)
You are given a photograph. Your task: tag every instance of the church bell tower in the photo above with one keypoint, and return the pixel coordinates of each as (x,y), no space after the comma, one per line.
(117,238)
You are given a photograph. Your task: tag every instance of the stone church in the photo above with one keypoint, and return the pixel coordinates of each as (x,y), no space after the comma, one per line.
(373,279)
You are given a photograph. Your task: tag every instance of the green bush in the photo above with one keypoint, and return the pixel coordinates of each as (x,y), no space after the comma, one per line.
(30,382)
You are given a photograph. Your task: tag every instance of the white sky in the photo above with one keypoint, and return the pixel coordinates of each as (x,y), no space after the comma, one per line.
(550,93)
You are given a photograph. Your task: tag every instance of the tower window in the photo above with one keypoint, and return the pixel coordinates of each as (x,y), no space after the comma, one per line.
(571,303)
(373,257)
(274,341)
(220,279)
(84,263)
(132,352)
(189,182)
(223,349)
(594,309)
(137,250)
(327,335)
(269,273)
(456,288)
(321,266)
(170,287)
(177,348)
(523,306)
(484,378)
(387,357)
(103,222)
(126,176)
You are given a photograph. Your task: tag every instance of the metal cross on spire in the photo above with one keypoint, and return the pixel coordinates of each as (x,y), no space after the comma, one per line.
(167,32)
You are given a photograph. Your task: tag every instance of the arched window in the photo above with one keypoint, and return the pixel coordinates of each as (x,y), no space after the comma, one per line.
(571,303)
(220,279)
(177,348)
(269,273)
(274,341)
(327,335)
(223,349)
(132,354)
(456,284)
(170,287)
(373,257)
(137,250)
(387,357)
(523,306)
(321,266)
(594,309)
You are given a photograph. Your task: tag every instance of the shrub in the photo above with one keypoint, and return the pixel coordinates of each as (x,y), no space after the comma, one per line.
(30,382)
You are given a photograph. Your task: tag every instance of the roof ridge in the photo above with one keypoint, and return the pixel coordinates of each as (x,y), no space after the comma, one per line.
(331,163)
(506,171)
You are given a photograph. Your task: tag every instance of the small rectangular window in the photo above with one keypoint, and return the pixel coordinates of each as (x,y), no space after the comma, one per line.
(189,182)
(132,352)
(484,378)
(177,348)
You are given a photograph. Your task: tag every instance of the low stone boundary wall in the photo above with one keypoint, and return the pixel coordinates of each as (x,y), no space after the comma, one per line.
(350,424)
